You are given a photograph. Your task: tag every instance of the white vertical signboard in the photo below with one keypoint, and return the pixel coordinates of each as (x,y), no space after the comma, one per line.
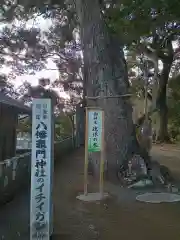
(41,170)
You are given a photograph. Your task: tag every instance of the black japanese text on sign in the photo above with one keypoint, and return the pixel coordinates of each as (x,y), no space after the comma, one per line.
(95,129)
(41,111)
(40,174)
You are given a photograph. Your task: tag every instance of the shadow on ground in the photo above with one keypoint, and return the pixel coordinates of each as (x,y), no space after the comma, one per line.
(119,217)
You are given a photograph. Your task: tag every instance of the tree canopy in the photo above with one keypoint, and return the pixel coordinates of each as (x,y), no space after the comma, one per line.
(147,29)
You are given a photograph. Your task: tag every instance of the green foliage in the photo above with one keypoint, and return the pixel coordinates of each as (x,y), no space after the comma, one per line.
(63,126)
(156,24)
(24,125)
(142,18)
(26,50)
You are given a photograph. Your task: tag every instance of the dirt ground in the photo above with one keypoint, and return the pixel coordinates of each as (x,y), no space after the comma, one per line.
(111,219)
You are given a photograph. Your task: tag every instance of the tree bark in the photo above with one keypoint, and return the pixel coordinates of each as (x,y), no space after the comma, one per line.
(80,123)
(163,135)
(106,75)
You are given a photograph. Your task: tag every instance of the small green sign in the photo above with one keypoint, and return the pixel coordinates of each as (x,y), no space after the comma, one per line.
(94,130)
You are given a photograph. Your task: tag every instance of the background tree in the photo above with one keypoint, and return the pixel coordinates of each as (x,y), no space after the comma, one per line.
(104,67)
(151,26)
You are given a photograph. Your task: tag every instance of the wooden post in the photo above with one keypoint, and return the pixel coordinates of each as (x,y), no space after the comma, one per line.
(86,156)
(101,179)
(94,143)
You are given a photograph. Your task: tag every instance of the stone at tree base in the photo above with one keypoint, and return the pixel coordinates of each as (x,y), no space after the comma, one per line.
(141,183)
(92,197)
(157,176)
(160,197)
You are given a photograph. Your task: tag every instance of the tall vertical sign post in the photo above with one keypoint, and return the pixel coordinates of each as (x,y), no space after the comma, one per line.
(94,142)
(41,170)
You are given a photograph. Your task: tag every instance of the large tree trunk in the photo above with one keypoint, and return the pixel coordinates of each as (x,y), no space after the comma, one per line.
(163,135)
(106,75)
(80,122)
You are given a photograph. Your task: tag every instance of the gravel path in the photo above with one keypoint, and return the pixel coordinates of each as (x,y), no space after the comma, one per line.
(112,219)
(14,218)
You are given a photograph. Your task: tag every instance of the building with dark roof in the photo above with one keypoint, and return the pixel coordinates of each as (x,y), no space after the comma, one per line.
(9,110)
(13,103)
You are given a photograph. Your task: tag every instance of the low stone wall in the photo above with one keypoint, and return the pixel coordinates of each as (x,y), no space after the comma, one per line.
(15,172)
